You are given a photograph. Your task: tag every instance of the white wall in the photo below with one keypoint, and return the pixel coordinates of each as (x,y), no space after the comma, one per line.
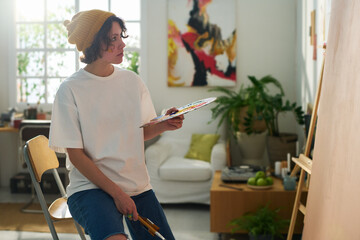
(266,45)
(5,15)
(307,69)
(8,141)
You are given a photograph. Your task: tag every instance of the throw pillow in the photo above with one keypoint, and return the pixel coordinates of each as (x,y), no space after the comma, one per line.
(201,146)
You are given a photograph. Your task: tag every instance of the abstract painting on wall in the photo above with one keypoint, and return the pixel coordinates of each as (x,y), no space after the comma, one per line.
(201,43)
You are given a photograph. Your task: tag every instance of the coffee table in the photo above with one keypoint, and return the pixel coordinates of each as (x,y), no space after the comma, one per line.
(227,203)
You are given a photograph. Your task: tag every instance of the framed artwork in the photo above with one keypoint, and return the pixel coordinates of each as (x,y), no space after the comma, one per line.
(201,43)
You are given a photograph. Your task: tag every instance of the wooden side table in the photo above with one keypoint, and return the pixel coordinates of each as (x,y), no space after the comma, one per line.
(228,203)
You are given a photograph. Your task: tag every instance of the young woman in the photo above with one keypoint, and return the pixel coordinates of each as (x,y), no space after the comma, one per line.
(95,120)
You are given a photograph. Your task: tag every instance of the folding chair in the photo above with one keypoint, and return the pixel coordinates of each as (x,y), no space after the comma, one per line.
(29,129)
(40,158)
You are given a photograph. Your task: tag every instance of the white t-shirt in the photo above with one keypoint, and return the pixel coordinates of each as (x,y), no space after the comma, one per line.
(102,115)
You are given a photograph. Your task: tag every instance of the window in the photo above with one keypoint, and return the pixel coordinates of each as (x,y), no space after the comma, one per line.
(44,58)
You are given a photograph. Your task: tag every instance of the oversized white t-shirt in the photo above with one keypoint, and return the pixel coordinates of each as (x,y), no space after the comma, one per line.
(102,115)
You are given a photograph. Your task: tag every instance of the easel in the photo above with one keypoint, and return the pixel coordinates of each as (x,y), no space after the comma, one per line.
(304,162)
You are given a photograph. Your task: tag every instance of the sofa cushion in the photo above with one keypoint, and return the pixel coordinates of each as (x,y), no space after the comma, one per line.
(201,145)
(182,169)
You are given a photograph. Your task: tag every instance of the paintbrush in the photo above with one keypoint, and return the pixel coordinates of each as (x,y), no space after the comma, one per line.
(151,227)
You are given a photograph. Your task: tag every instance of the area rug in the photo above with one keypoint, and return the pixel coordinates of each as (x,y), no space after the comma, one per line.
(11,218)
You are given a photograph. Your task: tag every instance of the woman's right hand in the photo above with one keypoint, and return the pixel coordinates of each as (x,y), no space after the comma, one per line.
(126,206)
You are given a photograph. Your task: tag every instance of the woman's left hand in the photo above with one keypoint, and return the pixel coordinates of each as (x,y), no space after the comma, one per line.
(168,125)
(176,122)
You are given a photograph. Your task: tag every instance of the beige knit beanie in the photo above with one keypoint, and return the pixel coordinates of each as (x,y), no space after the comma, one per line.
(84,26)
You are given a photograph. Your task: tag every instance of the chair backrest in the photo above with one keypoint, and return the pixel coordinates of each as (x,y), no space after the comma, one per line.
(41,156)
(29,129)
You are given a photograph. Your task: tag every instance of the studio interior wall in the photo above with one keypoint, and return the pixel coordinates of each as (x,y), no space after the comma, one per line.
(308,69)
(266,45)
(5,15)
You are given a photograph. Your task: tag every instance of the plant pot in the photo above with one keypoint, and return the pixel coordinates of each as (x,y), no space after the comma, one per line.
(258,123)
(260,237)
(247,149)
(279,146)
(251,146)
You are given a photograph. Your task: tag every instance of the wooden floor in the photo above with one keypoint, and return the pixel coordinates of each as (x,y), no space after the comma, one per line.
(188,221)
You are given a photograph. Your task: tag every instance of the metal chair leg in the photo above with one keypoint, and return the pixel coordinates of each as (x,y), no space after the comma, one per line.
(80,231)
(33,197)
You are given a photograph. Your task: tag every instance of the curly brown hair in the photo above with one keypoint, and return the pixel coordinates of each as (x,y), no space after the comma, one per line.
(93,52)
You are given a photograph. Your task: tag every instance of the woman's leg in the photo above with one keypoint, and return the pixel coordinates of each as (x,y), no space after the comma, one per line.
(148,206)
(96,212)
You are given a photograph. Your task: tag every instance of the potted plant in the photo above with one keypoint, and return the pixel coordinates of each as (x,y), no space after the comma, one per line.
(279,144)
(264,224)
(264,106)
(242,110)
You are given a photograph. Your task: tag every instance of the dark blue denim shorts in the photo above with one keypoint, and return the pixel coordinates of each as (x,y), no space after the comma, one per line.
(96,212)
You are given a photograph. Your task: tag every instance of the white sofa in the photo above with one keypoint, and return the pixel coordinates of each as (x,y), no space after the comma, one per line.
(176,179)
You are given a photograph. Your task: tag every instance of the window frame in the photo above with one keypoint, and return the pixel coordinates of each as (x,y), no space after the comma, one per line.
(14,50)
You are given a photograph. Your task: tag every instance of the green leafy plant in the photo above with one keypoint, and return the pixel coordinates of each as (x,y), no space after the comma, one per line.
(23,62)
(227,105)
(133,61)
(31,62)
(243,108)
(260,104)
(262,222)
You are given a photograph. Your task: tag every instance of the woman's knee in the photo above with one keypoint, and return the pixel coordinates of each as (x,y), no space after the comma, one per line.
(117,237)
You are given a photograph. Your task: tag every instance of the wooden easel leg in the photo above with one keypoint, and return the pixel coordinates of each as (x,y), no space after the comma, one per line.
(296,204)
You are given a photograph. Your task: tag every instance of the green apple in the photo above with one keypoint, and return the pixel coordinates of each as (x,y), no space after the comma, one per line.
(260,174)
(252,181)
(261,182)
(269,181)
